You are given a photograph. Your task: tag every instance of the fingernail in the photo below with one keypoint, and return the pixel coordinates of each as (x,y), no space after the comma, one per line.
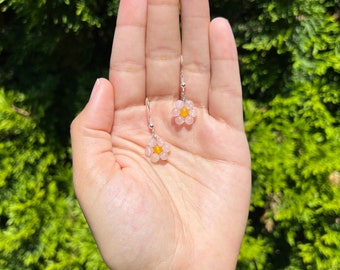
(95,88)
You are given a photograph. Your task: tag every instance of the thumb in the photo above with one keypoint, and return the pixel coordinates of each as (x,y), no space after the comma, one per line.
(91,135)
(99,111)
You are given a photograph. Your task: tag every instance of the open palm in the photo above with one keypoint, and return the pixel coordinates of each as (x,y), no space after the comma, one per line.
(190,211)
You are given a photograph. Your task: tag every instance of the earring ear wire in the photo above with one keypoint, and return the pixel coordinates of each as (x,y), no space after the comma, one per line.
(184,111)
(157,149)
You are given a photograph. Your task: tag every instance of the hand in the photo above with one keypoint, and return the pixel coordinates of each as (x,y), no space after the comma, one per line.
(190,211)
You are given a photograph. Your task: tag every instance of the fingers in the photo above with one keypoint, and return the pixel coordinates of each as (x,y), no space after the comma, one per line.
(195,49)
(225,96)
(163,48)
(127,66)
(146,53)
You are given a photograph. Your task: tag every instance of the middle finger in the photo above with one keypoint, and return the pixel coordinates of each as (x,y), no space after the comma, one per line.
(195,49)
(163,48)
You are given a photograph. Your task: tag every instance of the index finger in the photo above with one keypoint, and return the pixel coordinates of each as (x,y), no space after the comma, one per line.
(127,65)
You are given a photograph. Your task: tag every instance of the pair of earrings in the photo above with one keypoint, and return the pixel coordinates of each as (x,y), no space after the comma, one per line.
(183,113)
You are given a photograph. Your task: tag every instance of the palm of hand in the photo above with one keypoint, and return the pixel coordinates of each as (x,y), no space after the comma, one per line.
(180,207)
(172,214)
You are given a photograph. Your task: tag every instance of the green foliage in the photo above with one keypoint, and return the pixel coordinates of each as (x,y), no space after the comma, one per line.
(52,51)
(296,192)
(41,223)
(291,76)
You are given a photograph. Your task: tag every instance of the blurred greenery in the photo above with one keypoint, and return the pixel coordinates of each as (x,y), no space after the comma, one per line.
(52,51)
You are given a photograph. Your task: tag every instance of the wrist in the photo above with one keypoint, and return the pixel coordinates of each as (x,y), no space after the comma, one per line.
(207,257)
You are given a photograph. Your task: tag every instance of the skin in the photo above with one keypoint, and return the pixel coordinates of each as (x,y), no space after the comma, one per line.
(190,211)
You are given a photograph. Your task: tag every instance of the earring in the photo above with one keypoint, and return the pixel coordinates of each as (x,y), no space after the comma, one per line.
(156,149)
(184,111)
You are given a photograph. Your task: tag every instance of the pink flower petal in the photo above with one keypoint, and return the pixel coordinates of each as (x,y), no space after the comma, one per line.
(175,112)
(179,120)
(154,158)
(163,156)
(179,104)
(148,151)
(193,112)
(189,120)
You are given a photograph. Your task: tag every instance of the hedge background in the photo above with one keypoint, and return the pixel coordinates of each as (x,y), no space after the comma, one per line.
(52,51)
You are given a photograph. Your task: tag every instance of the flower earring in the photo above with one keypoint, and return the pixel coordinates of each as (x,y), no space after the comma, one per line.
(156,149)
(184,111)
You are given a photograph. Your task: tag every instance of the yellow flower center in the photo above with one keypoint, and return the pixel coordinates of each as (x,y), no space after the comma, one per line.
(184,112)
(157,149)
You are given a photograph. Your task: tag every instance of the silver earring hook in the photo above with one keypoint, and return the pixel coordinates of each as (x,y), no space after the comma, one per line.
(157,149)
(184,111)
(151,125)
(182,80)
